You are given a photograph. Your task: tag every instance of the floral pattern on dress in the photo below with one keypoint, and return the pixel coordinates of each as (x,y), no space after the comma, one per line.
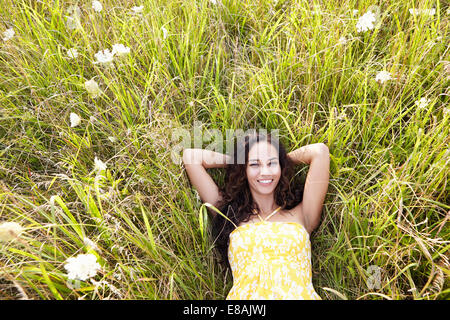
(271,260)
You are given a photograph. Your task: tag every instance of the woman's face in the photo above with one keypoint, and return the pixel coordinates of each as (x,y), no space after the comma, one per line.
(263,164)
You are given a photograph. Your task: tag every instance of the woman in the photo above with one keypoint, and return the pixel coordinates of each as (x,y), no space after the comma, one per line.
(263,232)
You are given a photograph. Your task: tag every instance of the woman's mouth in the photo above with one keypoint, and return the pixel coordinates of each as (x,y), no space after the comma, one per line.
(265,182)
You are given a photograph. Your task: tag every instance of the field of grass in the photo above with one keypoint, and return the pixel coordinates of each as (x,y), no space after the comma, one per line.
(303,67)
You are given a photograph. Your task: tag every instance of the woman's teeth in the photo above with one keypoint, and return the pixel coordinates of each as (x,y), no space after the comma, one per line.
(265,181)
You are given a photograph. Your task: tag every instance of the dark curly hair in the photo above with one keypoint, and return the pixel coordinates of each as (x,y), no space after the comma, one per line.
(236,199)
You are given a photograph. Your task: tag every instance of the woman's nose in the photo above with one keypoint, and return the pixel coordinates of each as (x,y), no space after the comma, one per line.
(265,169)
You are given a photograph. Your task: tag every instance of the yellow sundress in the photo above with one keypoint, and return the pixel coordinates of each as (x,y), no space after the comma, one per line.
(271,260)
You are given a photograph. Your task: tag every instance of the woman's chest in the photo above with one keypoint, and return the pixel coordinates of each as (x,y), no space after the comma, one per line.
(270,237)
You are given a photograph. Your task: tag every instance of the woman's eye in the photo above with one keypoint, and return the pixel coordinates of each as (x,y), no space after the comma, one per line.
(255,164)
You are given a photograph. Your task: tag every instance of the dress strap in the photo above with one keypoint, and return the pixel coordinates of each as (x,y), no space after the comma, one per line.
(254,210)
(276,210)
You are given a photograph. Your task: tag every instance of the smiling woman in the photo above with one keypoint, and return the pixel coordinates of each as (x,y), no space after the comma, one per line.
(263,170)
(268,259)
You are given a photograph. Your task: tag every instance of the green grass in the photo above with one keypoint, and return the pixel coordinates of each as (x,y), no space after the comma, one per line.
(234,65)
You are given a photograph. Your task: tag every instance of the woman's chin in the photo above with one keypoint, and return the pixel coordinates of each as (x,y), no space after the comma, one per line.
(265,190)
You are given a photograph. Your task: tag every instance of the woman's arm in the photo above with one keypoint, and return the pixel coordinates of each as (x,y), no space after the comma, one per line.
(306,153)
(317,156)
(196,161)
(206,158)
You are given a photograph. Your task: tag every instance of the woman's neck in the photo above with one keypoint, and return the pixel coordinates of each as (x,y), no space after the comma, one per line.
(266,203)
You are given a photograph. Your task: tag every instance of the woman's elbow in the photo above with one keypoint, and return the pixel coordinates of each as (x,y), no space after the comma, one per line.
(192,156)
(323,148)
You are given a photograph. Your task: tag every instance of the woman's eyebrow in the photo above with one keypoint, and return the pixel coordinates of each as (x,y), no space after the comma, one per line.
(267,160)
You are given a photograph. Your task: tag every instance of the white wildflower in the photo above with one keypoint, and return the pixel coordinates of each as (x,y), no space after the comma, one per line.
(164,32)
(72,22)
(118,276)
(104,56)
(355,11)
(10,231)
(342,40)
(213,1)
(74,10)
(422,103)
(383,76)
(316,11)
(366,22)
(92,88)
(425,12)
(74,120)
(112,139)
(99,164)
(82,267)
(340,116)
(8,34)
(97,6)
(137,9)
(446,111)
(72,53)
(52,200)
(120,49)
(73,19)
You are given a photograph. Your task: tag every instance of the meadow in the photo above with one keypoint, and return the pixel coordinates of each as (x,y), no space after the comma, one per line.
(92,92)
